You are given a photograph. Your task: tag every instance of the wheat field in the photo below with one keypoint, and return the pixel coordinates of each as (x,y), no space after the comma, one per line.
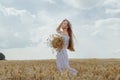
(88,69)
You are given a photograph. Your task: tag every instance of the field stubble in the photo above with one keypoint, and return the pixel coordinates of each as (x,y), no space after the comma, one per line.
(88,69)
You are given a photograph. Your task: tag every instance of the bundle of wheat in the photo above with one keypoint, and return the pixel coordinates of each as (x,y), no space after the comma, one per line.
(56,41)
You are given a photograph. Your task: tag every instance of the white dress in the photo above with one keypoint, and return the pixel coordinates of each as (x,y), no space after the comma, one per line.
(62,58)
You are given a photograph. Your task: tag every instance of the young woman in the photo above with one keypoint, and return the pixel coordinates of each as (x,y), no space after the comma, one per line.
(62,56)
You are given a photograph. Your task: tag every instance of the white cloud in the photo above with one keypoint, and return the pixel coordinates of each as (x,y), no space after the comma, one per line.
(12,11)
(112,7)
(99,40)
(112,3)
(108,27)
(110,22)
(83,4)
(74,3)
(42,17)
(41,34)
(112,11)
(107,35)
(50,1)
(17,25)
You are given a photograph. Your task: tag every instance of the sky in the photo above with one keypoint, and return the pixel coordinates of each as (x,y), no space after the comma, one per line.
(26,24)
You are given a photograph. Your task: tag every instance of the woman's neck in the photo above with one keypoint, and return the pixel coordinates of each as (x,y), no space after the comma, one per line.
(65,31)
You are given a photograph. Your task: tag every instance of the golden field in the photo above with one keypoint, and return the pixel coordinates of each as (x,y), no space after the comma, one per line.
(88,69)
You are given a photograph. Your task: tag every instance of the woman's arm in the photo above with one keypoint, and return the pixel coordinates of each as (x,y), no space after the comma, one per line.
(58,29)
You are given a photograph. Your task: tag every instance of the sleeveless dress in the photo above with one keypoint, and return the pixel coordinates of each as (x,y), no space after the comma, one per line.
(62,58)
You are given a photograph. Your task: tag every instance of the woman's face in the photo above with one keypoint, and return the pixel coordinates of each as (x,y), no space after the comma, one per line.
(64,25)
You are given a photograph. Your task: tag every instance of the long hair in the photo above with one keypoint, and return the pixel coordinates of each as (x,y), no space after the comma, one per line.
(70,33)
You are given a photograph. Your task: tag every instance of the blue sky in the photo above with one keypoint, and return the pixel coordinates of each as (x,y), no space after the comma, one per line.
(26,24)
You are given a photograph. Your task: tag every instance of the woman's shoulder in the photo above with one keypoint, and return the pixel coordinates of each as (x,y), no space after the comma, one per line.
(60,32)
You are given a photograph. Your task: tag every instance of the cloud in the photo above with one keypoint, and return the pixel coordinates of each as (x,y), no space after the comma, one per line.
(107,27)
(19,26)
(72,3)
(99,39)
(110,22)
(83,4)
(11,24)
(50,1)
(112,8)
(113,11)
(106,35)
(112,3)
(11,11)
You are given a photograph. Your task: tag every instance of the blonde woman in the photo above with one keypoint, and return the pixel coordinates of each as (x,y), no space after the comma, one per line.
(62,56)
